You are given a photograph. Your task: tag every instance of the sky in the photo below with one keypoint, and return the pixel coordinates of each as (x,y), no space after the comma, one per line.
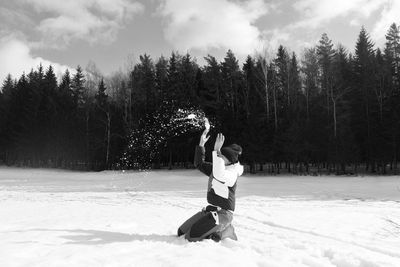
(114,33)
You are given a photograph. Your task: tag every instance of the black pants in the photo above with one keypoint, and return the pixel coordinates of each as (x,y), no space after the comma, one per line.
(206,222)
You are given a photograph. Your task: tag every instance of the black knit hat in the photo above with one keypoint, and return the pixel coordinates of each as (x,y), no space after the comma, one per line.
(232,152)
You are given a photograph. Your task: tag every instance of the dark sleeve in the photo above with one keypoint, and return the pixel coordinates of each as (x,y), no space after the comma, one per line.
(200,163)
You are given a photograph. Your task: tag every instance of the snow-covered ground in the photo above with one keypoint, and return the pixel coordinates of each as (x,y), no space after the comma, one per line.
(62,218)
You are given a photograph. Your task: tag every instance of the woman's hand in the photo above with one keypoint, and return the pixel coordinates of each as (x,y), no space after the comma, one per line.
(207,124)
(204,138)
(219,142)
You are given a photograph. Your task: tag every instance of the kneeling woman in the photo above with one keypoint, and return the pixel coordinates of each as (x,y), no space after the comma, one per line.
(214,221)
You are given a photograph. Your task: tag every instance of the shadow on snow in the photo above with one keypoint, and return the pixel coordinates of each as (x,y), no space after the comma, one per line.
(98,237)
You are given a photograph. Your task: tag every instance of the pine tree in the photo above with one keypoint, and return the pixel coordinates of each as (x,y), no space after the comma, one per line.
(392,74)
(173,88)
(161,78)
(49,111)
(392,51)
(253,134)
(362,102)
(65,84)
(65,93)
(311,79)
(295,82)
(66,120)
(211,94)
(325,53)
(199,85)
(345,149)
(50,78)
(49,93)
(77,87)
(102,126)
(231,81)
(188,70)
(101,96)
(144,91)
(83,110)
(314,142)
(281,63)
(21,119)
(8,91)
(7,87)
(2,124)
(149,83)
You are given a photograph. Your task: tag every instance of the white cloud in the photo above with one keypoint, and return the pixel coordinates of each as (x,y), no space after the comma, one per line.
(275,38)
(205,24)
(355,22)
(90,20)
(10,18)
(317,12)
(389,14)
(313,17)
(16,58)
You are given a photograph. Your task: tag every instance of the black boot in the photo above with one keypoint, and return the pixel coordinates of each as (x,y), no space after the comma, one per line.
(216,237)
(180,232)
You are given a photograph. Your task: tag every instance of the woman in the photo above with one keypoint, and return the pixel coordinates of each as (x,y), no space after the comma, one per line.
(214,221)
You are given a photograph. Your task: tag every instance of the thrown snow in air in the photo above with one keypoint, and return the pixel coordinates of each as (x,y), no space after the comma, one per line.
(191,116)
(64,218)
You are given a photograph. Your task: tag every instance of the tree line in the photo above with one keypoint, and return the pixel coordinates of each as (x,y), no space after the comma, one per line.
(329,111)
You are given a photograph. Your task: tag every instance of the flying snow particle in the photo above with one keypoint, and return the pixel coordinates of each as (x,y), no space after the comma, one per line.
(147,141)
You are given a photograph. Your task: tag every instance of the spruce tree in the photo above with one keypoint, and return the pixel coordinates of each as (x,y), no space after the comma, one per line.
(173,93)
(77,87)
(8,92)
(49,111)
(101,126)
(325,53)
(281,63)
(311,78)
(161,78)
(188,70)
(362,99)
(392,51)
(253,134)
(67,120)
(144,91)
(211,94)
(295,82)
(101,96)
(231,83)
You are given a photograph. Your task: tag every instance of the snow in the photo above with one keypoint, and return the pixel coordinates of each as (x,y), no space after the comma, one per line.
(112,218)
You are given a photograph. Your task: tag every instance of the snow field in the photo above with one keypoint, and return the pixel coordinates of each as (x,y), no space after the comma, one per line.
(56,218)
